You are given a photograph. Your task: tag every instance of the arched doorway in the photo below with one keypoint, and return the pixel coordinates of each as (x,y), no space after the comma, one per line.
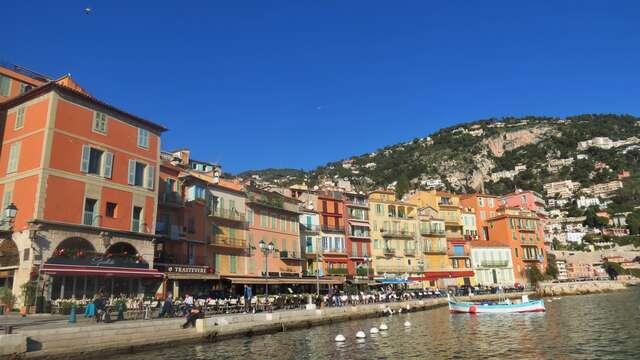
(9,262)
(122,249)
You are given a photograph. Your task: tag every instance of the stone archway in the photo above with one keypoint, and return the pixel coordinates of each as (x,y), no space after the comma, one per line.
(74,246)
(9,253)
(122,249)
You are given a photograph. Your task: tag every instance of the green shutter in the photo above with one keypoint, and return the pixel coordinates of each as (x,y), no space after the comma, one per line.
(107,168)
(14,155)
(150,177)
(5,85)
(132,171)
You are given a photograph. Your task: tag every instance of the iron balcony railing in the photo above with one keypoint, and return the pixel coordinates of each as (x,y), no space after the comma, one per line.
(494,263)
(327,228)
(171,198)
(337,271)
(227,241)
(427,231)
(453,253)
(289,255)
(229,214)
(392,269)
(410,252)
(361,203)
(435,250)
(359,234)
(389,251)
(398,233)
(310,228)
(335,250)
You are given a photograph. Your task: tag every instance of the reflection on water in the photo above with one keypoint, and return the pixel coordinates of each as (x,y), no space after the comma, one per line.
(579,327)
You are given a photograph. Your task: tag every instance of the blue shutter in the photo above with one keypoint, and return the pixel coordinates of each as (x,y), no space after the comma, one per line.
(84,163)
(132,172)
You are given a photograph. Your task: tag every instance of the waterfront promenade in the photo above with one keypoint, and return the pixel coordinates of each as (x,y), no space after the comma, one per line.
(82,339)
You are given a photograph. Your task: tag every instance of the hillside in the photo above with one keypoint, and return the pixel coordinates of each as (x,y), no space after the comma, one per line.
(497,154)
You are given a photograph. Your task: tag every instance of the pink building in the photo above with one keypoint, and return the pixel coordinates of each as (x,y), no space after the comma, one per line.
(526,199)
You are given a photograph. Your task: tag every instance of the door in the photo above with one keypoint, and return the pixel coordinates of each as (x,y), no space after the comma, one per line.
(495,276)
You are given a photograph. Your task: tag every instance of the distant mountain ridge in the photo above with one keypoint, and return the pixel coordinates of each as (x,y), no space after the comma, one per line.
(496,155)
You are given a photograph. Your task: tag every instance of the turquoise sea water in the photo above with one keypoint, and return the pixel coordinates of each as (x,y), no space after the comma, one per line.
(605,326)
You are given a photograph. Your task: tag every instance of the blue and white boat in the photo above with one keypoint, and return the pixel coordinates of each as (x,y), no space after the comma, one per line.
(505,306)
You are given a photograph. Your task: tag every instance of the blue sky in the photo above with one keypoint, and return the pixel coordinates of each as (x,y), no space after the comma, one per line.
(256,84)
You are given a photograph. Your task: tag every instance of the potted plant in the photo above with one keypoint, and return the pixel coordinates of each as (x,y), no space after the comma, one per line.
(7,299)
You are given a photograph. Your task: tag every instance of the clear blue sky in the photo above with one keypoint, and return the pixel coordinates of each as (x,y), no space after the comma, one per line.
(255,84)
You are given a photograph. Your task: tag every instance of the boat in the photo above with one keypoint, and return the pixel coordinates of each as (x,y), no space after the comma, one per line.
(500,307)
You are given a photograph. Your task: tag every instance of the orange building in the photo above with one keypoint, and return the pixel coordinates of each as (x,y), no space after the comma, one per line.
(273,219)
(523,232)
(83,175)
(330,205)
(485,207)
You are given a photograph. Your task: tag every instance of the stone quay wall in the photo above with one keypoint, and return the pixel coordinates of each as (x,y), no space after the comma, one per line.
(582,287)
(85,341)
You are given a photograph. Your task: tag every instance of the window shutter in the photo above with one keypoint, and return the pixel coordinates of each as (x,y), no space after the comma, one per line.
(14,154)
(107,165)
(150,177)
(5,84)
(19,118)
(132,172)
(84,163)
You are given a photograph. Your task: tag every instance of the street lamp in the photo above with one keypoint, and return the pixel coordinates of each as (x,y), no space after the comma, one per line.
(368,261)
(266,249)
(10,212)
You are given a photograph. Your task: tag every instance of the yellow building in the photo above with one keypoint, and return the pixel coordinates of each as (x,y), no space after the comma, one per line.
(395,237)
(458,248)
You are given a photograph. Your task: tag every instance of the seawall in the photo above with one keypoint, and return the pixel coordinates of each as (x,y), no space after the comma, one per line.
(581,287)
(89,340)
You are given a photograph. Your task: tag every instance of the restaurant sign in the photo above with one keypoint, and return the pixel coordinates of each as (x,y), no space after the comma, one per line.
(188,269)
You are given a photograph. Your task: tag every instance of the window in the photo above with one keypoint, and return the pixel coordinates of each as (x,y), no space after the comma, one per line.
(516,249)
(250,216)
(483,215)
(379,209)
(273,222)
(143,138)
(233,264)
(100,122)
(25,87)
(19,119)
(481,202)
(324,205)
(5,85)
(264,221)
(137,219)
(97,162)
(111,209)
(364,249)
(284,245)
(14,156)
(90,215)
(283,224)
(7,199)
(354,249)
(232,206)
(141,174)
(191,225)
(491,203)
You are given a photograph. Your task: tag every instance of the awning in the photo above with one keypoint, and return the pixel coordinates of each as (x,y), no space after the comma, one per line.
(102,271)
(178,276)
(358,223)
(435,275)
(393,281)
(284,281)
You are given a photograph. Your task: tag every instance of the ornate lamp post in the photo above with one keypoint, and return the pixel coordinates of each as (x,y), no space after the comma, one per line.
(266,249)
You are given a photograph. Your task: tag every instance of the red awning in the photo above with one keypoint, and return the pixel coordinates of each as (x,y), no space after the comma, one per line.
(102,271)
(358,223)
(435,275)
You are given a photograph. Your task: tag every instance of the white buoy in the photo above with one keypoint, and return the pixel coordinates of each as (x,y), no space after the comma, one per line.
(374,330)
(340,338)
(383,327)
(361,335)
(408,307)
(407,323)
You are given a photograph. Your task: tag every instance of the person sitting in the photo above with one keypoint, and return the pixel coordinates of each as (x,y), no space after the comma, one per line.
(194,314)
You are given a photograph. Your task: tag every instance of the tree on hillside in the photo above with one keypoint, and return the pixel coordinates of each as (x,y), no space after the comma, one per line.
(402,187)
(613,269)
(594,220)
(633,222)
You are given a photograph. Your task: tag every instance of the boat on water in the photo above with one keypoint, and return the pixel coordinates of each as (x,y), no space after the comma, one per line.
(500,307)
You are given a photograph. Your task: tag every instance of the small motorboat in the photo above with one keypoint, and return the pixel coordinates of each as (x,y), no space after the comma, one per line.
(502,306)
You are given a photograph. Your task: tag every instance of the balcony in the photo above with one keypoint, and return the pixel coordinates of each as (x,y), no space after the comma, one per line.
(171,231)
(435,250)
(531,258)
(410,252)
(171,199)
(310,228)
(360,234)
(494,263)
(228,214)
(337,272)
(227,241)
(357,203)
(389,251)
(341,251)
(470,237)
(328,228)
(432,232)
(289,255)
(398,234)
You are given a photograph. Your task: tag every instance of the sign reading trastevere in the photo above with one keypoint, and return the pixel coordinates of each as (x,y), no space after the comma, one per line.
(188,269)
